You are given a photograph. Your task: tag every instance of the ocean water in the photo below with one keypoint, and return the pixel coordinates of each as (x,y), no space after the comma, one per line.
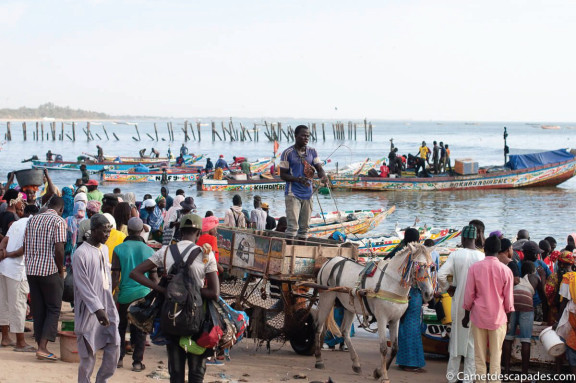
(543,211)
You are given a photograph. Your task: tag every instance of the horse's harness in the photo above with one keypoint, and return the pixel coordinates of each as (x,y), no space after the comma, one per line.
(360,290)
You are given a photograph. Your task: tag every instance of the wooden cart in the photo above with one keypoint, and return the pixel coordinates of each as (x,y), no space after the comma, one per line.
(262,270)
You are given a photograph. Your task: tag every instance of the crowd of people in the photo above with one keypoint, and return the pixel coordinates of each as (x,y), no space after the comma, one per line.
(499,288)
(97,240)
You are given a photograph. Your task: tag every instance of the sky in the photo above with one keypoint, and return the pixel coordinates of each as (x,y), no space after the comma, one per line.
(489,60)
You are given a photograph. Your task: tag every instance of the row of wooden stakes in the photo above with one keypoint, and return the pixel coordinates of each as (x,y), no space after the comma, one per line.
(274,132)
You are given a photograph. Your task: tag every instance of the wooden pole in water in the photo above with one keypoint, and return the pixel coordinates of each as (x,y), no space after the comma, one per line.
(213,131)
(24,130)
(73,131)
(8,133)
(171,132)
(365,131)
(42,130)
(115,136)
(105,132)
(323,133)
(198,128)
(186,131)
(355,126)
(87,131)
(36,130)
(223,130)
(62,133)
(192,131)
(156,131)
(137,131)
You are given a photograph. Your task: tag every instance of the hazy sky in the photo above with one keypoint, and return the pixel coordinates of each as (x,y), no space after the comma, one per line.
(406,59)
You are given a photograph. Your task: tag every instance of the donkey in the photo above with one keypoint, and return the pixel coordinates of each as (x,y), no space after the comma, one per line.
(385,297)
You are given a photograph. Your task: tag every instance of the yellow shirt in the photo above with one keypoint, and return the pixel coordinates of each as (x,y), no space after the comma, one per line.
(116,238)
(424,152)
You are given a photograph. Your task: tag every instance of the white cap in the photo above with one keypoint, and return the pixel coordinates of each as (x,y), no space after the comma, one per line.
(149,203)
(81,197)
(110,219)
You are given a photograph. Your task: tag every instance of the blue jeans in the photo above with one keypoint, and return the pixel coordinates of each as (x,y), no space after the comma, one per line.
(524,319)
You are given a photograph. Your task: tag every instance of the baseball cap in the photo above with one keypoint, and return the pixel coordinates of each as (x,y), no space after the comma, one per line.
(149,203)
(264,205)
(92,183)
(188,203)
(221,155)
(135,224)
(191,220)
(531,247)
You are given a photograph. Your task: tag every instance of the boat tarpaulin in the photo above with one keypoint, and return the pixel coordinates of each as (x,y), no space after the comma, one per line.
(524,161)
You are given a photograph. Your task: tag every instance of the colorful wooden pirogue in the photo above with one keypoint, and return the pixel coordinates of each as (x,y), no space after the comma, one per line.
(366,221)
(528,170)
(111,163)
(190,173)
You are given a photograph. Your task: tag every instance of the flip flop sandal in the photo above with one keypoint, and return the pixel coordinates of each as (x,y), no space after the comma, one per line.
(50,357)
(28,348)
(12,344)
(137,367)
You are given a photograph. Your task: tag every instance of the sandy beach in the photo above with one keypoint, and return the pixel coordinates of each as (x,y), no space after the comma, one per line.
(249,363)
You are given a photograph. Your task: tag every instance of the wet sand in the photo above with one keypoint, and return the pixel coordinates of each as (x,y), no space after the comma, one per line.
(250,363)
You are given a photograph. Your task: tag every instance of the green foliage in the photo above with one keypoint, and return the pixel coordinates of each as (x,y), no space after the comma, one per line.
(50,110)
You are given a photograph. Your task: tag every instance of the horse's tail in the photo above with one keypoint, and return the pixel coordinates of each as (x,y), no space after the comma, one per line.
(331,324)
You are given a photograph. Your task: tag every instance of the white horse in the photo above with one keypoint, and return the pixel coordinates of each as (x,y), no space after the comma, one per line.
(386,297)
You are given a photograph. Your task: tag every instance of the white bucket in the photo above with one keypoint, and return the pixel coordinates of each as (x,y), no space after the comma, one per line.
(552,342)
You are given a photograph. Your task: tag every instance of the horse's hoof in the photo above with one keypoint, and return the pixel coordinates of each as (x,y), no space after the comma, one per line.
(319,365)
(357,369)
(377,373)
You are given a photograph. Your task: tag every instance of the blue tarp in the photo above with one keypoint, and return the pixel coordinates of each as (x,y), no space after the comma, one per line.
(141,169)
(524,161)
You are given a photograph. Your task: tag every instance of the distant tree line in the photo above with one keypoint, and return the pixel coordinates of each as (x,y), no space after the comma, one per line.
(51,110)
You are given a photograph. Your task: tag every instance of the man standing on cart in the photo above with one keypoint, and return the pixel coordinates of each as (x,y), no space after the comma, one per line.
(297,166)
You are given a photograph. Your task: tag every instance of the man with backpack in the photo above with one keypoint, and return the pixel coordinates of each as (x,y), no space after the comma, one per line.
(186,267)
(234,216)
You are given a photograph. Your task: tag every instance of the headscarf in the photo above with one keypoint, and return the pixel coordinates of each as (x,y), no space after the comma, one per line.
(73,223)
(175,207)
(68,197)
(82,189)
(159,198)
(81,197)
(78,216)
(94,206)
(130,198)
(155,219)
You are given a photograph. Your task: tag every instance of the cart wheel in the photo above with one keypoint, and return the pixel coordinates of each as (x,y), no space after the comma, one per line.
(303,339)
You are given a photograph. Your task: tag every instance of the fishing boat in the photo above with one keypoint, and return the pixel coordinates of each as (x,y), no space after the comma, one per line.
(208,184)
(528,170)
(339,216)
(171,176)
(91,165)
(355,226)
(382,245)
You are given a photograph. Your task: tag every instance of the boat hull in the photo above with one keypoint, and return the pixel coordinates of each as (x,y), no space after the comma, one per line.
(149,177)
(233,185)
(98,166)
(547,175)
(359,226)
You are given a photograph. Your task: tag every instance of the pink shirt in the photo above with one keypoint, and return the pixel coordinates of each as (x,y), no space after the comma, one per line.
(488,295)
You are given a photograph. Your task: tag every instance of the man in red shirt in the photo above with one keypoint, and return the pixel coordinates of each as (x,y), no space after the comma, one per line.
(488,301)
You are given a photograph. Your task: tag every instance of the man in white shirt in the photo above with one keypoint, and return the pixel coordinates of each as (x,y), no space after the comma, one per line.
(461,339)
(258,216)
(14,287)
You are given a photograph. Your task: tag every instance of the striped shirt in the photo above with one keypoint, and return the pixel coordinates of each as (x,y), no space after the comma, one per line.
(43,231)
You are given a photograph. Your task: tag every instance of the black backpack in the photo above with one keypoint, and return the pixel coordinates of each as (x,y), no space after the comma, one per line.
(182,311)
